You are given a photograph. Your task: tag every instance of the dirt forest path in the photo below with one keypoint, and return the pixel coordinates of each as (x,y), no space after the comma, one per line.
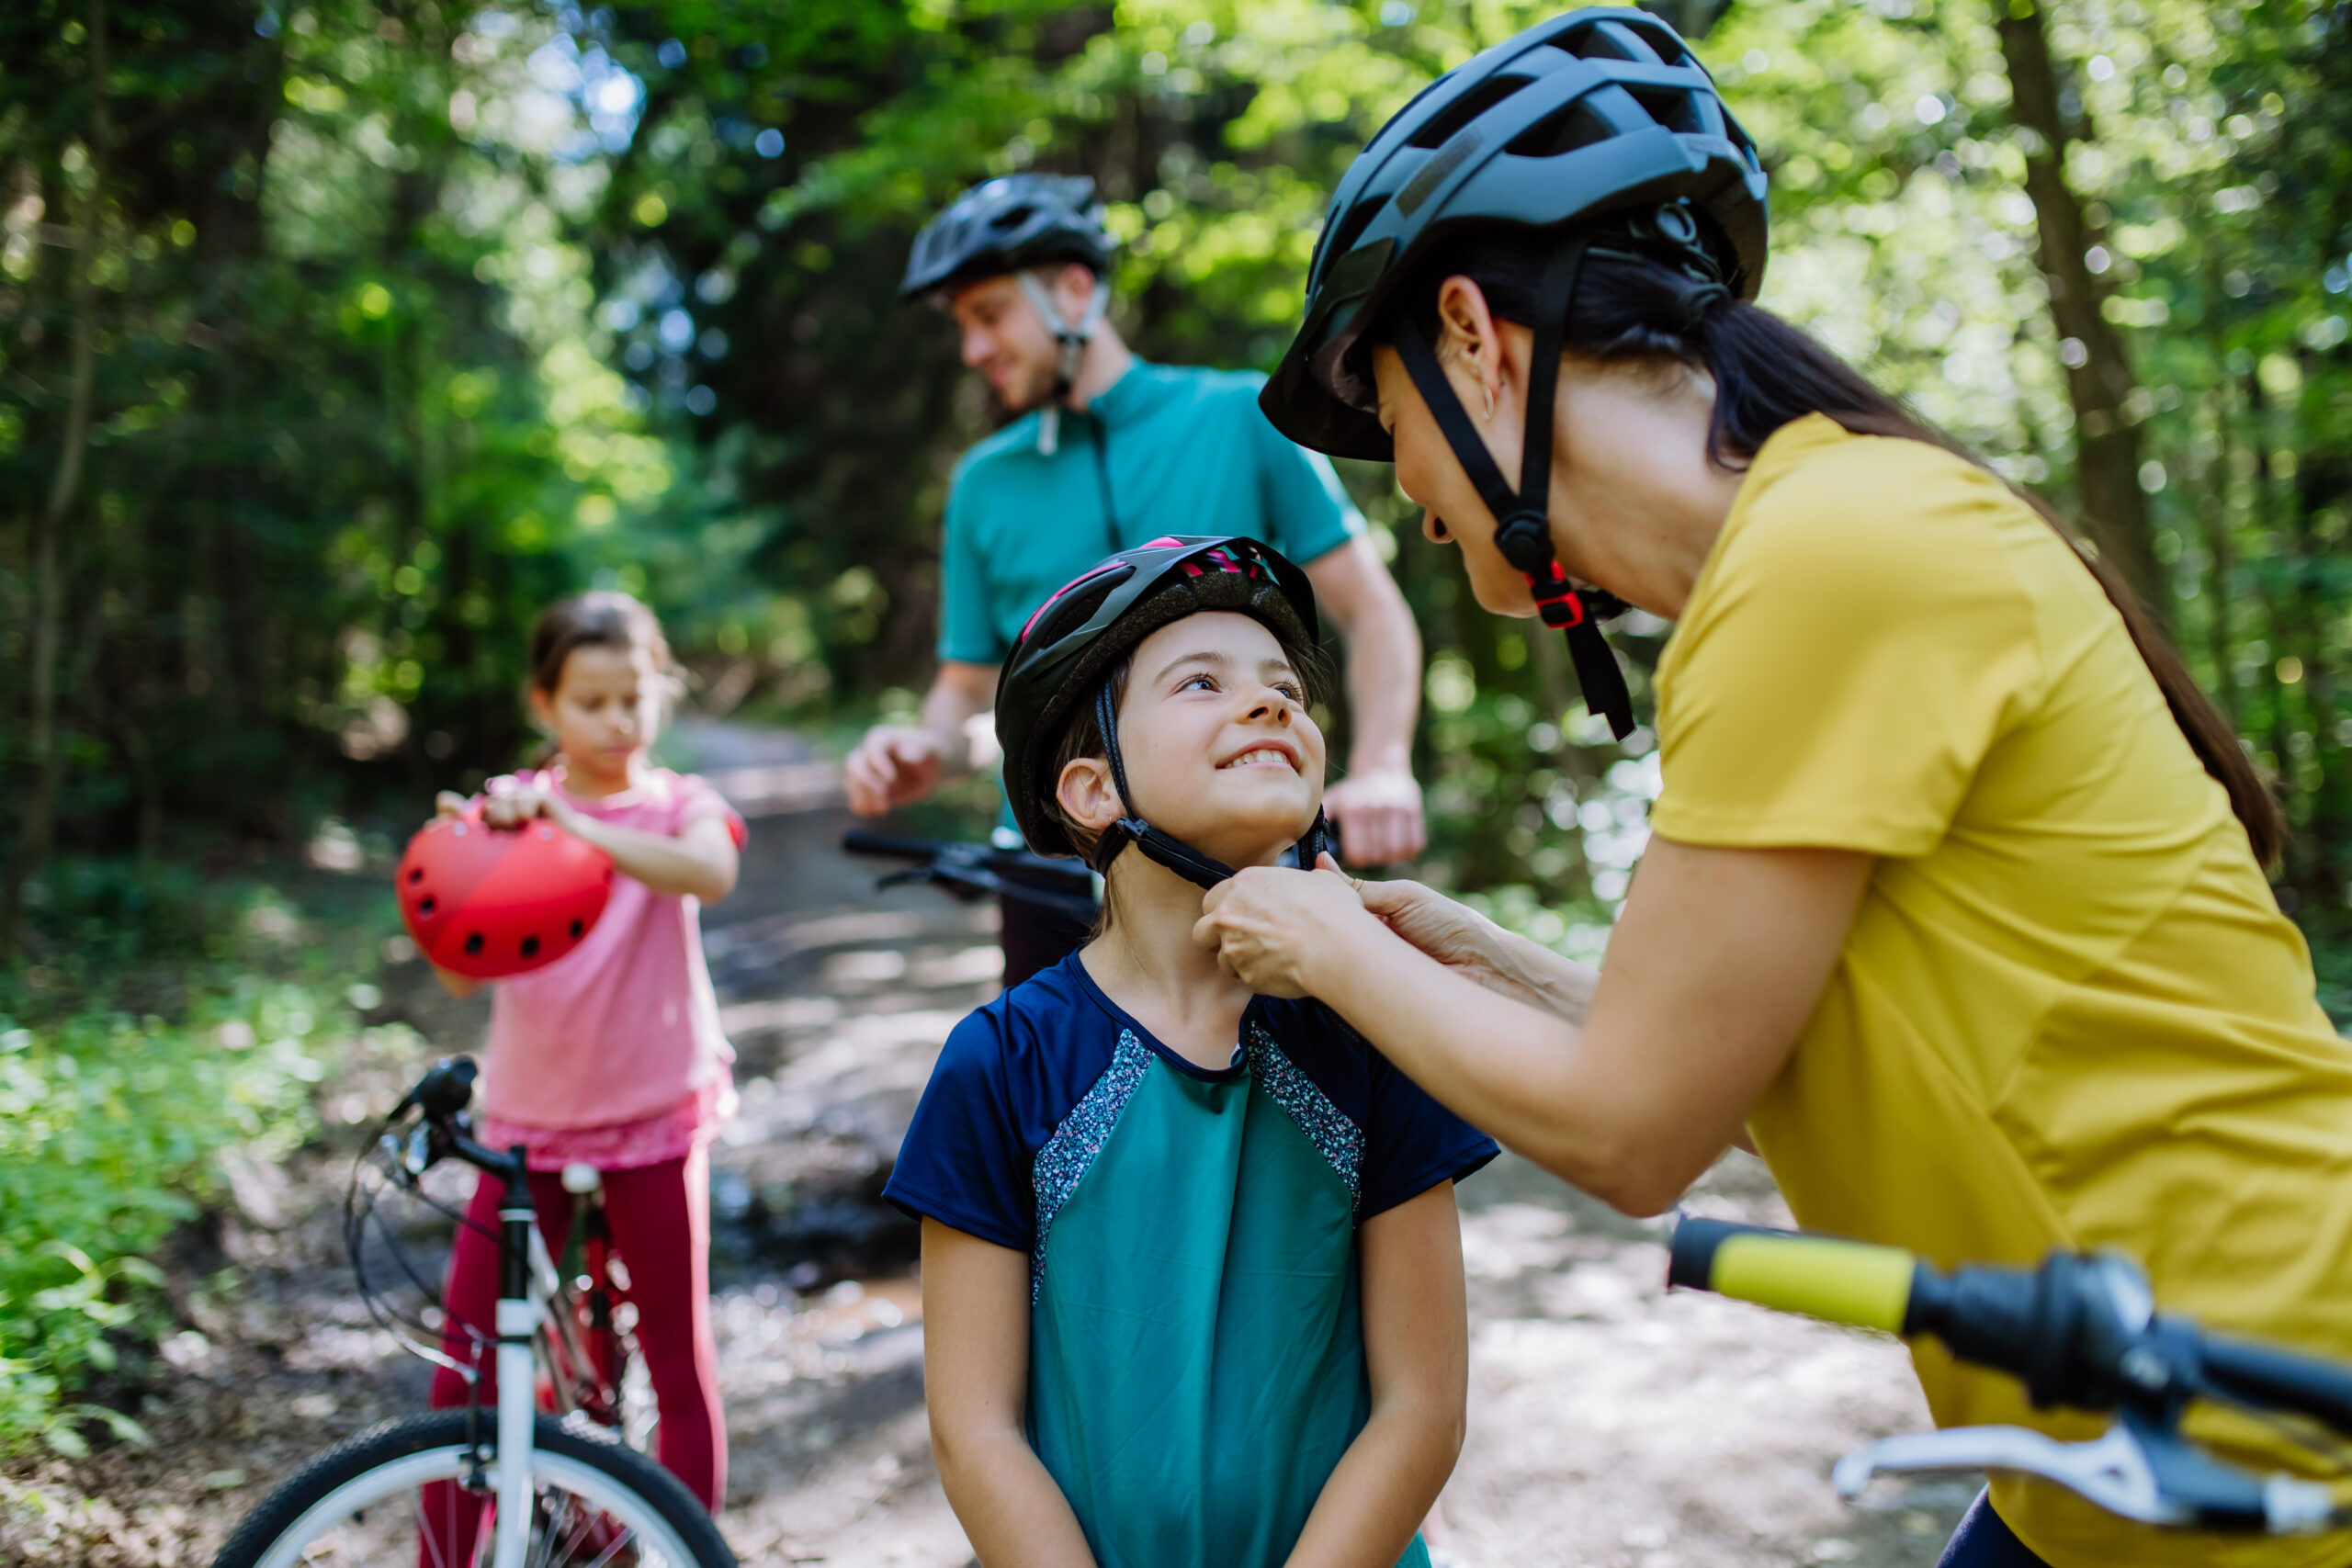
(1611,1426)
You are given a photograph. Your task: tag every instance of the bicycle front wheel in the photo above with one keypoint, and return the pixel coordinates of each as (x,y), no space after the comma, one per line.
(597,1503)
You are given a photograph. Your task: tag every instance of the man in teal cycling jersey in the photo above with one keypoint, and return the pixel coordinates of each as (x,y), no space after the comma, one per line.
(1108,452)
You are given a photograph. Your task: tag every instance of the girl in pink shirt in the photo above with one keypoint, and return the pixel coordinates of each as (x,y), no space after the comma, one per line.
(612,1054)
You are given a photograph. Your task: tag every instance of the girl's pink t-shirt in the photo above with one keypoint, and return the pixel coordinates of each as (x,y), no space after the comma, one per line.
(625,1027)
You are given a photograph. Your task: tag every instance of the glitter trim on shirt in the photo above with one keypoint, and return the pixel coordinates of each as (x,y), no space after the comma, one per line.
(1337,1139)
(1070,1153)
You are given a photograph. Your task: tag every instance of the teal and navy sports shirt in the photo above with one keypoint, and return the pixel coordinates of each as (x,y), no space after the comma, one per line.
(1167,449)
(1196,1363)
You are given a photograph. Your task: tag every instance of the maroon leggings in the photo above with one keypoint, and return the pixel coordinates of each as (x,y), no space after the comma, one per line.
(661,1222)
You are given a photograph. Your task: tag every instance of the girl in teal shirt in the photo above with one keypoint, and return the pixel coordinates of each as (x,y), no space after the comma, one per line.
(1192,1274)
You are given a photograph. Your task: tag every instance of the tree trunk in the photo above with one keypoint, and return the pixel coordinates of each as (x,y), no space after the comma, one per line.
(35,828)
(2106,438)
(2221,560)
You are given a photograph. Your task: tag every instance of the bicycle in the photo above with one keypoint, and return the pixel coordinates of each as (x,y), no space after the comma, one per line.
(562,1485)
(2081,1331)
(980,871)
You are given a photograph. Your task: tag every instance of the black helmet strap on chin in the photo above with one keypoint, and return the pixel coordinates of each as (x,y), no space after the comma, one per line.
(1522,517)
(1176,856)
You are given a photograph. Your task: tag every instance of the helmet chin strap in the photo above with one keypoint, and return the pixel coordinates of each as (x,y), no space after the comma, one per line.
(1523,528)
(1160,848)
(1072,336)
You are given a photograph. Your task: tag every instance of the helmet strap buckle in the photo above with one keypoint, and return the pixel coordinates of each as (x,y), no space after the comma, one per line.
(1073,337)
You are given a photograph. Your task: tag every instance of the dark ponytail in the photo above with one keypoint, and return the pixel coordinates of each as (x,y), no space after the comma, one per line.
(1767,374)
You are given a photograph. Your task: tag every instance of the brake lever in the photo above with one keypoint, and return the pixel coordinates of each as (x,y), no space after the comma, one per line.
(2133,1469)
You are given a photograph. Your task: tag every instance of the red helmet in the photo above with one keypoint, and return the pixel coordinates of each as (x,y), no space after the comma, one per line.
(489,903)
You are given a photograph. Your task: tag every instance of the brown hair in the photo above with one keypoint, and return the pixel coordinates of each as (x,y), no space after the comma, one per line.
(604,618)
(1768,373)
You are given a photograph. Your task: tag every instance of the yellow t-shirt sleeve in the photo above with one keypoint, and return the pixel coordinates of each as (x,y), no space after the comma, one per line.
(1856,647)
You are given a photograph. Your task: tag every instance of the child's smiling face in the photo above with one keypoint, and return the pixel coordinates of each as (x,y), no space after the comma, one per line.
(1219,747)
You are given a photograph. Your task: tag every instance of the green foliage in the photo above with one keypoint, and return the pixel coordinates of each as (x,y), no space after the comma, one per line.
(109,1129)
(415,315)
(182,1017)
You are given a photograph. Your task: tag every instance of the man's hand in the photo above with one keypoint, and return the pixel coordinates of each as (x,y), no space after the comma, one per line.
(895,765)
(1378,814)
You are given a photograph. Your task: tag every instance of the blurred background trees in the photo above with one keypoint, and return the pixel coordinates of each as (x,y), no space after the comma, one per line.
(337,336)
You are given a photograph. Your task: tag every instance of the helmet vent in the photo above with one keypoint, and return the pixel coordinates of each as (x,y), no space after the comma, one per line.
(1349,230)
(1465,109)
(1563,130)
(1671,109)
(1619,40)
(1014,218)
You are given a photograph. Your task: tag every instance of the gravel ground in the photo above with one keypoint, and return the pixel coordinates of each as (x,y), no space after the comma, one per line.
(1611,1426)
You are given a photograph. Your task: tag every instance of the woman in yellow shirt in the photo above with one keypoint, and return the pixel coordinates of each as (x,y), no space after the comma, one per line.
(1954,900)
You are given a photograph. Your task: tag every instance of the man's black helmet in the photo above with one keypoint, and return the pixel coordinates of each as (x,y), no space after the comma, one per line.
(1063,658)
(1593,113)
(1007,224)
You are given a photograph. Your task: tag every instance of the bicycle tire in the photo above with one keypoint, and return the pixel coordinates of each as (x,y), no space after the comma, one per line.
(398,1455)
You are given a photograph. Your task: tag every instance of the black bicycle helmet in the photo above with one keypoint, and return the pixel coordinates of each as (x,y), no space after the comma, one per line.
(1063,658)
(1014,224)
(1006,224)
(1596,112)
(1598,125)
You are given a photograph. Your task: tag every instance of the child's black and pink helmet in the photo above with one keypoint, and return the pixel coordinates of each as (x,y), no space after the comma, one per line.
(1063,655)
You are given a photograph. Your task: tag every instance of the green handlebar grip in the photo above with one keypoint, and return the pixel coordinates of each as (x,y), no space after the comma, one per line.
(1842,1281)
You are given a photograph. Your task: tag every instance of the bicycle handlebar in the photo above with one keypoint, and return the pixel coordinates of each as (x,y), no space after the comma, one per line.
(892,846)
(970,870)
(1840,1281)
(2080,1331)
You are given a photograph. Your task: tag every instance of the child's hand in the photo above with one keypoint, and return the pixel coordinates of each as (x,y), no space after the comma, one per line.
(448,804)
(525,803)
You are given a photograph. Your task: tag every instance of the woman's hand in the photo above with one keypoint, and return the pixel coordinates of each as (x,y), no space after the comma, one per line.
(1267,923)
(1456,935)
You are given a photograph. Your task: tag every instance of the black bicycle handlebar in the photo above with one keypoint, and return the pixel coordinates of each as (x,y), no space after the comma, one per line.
(895,846)
(2079,1331)
(443,1096)
(899,846)
(2260,1374)
(972,870)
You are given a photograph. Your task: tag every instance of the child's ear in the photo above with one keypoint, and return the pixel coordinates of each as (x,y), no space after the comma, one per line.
(1087,792)
(543,707)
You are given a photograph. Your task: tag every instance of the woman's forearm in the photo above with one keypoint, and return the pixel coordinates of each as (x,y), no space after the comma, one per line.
(1467,942)
(1006,1500)
(1531,973)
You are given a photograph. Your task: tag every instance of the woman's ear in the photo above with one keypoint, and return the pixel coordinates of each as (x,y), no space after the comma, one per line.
(1470,343)
(1088,794)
